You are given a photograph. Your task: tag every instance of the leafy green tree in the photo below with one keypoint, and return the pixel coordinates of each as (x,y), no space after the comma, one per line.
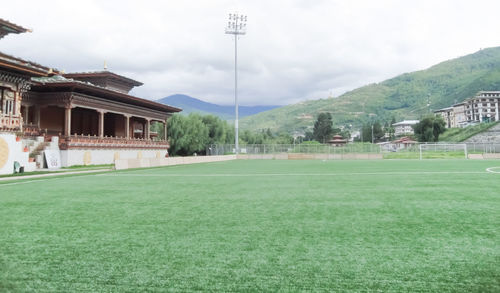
(429,128)
(378,132)
(284,138)
(390,129)
(187,135)
(366,133)
(346,134)
(309,136)
(322,130)
(158,128)
(218,130)
(269,134)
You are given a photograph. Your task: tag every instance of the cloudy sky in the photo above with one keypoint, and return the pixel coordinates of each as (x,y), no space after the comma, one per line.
(293,50)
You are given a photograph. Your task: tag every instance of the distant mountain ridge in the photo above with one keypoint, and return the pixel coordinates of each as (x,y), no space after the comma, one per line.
(192,105)
(406,96)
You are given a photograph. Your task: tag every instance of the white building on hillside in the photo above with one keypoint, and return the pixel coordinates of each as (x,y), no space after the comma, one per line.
(483,107)
(459,114)
(448,115)
(404,127)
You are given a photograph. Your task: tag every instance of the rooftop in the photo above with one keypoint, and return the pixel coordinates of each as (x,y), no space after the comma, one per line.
(23,66)
(62,82)
(406,122)
(103,74)
(7,27)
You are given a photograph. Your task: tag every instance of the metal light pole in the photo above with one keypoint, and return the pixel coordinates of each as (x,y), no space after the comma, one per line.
(372,135)
(236,26)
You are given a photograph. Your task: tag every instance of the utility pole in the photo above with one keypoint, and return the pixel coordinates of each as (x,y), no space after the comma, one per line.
(372,134)
(236,26)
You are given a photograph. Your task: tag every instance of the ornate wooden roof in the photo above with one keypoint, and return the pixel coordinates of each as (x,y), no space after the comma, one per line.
(14,64)
(106,79)
(10,28)
(62,84)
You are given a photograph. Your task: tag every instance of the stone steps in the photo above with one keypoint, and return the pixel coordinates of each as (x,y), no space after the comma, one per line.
(491,135)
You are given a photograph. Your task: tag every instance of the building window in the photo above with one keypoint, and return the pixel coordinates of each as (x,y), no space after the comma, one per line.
(7,101)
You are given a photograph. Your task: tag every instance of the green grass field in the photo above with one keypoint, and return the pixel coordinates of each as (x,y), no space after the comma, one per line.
(387,225)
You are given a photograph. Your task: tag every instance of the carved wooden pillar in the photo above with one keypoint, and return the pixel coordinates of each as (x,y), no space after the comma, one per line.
(25,114)
(37,116)
(148,124)
(127,126)
(67,120)
(165,129)
(101,124)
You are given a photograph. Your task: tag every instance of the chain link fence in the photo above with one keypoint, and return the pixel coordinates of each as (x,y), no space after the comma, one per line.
(384,150)
(264,149)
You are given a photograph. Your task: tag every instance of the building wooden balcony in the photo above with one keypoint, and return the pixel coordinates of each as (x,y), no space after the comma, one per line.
(10,123)
(95,142)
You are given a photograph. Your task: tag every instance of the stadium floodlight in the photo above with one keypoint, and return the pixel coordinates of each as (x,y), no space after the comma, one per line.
(236,26)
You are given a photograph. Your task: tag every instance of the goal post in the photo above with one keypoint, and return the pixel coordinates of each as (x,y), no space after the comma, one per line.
(443,151)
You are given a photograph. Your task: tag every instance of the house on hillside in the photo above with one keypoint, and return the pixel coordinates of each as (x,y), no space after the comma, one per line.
(404,127)
(483,107)
(448,116)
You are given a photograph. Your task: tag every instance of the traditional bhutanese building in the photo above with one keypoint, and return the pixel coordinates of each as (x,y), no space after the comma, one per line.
(89,116)
(10,28)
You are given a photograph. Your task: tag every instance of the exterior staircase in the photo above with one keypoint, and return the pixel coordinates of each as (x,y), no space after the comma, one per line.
(36,146)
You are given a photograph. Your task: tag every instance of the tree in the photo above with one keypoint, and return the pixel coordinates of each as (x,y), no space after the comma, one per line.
(377,131)
(158,128)
(187,135)
(309,136)
(429,129)
(218,130)
(390,128)
(366,133)
(322,131)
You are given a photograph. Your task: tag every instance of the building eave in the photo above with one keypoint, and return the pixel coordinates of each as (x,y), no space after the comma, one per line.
(90,89)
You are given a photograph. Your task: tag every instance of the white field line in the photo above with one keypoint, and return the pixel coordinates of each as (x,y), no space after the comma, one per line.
(58,173)
(290,174)
(495,170)
(28,181)
(18,180)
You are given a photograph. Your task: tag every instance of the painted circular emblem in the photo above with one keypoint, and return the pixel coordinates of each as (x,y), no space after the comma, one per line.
(4,152)
(87,158)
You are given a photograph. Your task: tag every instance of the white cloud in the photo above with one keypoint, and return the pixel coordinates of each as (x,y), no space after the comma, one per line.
(294,50)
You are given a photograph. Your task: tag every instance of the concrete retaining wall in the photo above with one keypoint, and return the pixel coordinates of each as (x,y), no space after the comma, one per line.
(105,156)
(12,151)
(302,156)
(121,164)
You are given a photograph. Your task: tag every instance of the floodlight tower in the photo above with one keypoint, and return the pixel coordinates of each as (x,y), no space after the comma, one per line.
(236,26)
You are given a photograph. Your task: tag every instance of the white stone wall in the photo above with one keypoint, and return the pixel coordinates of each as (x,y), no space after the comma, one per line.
(74,157)
(11,151)
(157,162)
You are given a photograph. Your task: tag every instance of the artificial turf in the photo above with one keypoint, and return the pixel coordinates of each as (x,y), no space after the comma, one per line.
(256,225)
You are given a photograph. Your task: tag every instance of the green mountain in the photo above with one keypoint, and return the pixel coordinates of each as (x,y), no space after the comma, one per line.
(189,105)
(403,97)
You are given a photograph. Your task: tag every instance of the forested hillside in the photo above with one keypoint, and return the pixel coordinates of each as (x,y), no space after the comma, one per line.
(403,97)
